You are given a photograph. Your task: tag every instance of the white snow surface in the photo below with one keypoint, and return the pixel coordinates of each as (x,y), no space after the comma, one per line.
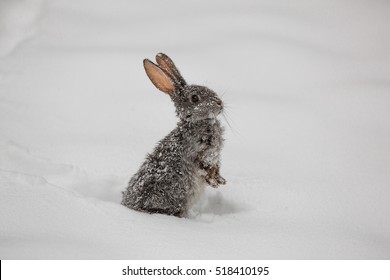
(307,152)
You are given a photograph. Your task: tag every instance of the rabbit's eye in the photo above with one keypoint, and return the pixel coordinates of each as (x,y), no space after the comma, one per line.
(194,98)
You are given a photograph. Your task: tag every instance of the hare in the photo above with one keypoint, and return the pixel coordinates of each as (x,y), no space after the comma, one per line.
(175,174)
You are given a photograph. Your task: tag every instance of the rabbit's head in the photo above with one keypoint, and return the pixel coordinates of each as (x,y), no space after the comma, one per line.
(192,102)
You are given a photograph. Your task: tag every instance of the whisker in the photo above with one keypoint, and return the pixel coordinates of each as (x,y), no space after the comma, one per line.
(230,123)
(225,114)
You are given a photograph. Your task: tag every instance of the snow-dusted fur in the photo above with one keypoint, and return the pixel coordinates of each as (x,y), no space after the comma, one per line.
(187,159)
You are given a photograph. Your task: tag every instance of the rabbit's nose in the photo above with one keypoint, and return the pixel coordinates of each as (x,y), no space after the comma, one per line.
(217,100)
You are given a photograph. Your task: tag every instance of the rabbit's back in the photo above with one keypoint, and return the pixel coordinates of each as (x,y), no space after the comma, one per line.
(163,181)
(170,179)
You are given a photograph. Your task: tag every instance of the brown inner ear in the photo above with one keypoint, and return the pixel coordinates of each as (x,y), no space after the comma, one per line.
(159,78)
(166,63)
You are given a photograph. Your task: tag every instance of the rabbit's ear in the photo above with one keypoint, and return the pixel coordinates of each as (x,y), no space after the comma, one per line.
(167,64)
(159,77)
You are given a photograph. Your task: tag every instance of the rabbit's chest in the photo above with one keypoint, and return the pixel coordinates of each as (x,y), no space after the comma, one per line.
(208,143)
(200,141)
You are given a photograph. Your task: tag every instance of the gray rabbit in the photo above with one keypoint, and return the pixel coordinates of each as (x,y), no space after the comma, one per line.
(187,159)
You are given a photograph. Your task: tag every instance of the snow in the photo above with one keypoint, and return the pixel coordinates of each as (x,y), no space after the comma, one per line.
(307,156)
(18,22)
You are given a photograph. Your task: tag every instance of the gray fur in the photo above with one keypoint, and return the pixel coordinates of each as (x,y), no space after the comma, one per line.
(187,159)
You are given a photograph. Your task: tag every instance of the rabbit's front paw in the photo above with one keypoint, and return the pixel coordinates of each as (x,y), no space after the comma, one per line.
(213,178)
(220,180)
(212,181)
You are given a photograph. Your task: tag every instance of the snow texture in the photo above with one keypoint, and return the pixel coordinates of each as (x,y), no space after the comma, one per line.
(306,156)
